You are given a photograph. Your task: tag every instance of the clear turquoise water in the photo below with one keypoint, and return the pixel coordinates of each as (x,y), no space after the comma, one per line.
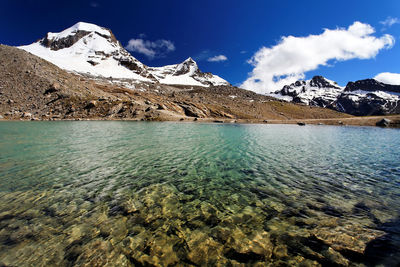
(129,193)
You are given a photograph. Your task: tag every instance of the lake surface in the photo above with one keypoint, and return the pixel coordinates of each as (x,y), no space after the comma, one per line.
(188,194)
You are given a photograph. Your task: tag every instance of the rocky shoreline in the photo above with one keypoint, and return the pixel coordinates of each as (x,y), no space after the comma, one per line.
(393,121)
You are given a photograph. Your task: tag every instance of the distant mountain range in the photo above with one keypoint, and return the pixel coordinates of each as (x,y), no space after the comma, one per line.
(32,88)
(93,50)
(361,98)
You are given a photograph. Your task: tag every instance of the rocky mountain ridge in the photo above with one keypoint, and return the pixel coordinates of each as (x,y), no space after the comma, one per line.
(361,98)
(93,50)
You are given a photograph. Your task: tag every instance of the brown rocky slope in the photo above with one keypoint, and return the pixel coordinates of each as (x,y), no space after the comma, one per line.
(32,88)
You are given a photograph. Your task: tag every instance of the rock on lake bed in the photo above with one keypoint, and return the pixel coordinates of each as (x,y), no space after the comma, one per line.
(136,193)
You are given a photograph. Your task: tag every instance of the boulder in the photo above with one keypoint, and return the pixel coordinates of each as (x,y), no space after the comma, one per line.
(383,123)
(54,87)
(301,123)
(192,111)
(27,115)
(116,109)
(91,104)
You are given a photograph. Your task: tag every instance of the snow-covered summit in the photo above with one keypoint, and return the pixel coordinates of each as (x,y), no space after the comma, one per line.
(187,73)
(364,97)
(187,66)
(80,26)
(90,49)
(318,91)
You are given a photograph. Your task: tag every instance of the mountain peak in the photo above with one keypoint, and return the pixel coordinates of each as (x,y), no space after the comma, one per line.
(189,60)
(371,85)
(189,66)
(317,91)
(322,82)
(79,27)
(75,33)
(85,26)
(90,49)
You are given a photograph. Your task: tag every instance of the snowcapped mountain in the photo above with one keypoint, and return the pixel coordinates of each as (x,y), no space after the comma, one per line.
(90,49)
(318,91)
(364,97)
(369,97)
(186,72)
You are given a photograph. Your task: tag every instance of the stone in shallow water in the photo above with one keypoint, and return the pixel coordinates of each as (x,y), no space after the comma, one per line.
(209,214)
(280,251)
(204,250)
(335,257)
(118,230)
(350,237)
(100,253)
(248,248)
(301,261)
(133,205)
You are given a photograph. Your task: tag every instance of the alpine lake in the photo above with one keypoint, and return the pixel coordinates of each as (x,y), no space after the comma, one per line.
(115,193)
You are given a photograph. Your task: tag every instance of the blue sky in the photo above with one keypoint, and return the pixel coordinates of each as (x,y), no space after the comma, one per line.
(204,29)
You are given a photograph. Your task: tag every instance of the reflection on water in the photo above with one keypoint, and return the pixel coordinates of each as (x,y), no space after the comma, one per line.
(134,194)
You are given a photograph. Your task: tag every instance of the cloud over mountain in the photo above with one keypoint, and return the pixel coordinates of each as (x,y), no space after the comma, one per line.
(218,58)
(388,78)
(288,60)
(151,49)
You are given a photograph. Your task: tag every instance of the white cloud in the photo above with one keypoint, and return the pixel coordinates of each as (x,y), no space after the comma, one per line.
(151,49)
(288,61)
(388,78)
(218,58)
(389,21)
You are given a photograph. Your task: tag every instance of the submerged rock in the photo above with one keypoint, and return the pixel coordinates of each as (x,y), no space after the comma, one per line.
(347,238)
